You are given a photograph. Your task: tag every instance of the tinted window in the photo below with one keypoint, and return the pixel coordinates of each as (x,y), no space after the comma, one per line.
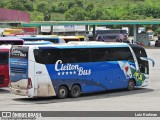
(123,31)
(3,58)
(114,54)
(83,55)
(47,56)
(109,37)
(140,52)
(10,42)
(53,40)
(98,54)
(143,65)
(50,56)
(68,55)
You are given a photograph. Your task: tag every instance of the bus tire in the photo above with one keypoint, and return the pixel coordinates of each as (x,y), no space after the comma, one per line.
(62,92)
(75,91)
(131,85)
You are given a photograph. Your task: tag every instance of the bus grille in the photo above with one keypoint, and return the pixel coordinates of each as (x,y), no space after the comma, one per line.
(1,79)
(18,70)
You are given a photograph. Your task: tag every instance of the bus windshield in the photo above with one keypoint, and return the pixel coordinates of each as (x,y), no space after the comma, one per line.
(4,58)
(19,65)
(143,64)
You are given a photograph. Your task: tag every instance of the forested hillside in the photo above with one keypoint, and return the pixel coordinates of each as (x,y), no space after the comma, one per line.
(86,9)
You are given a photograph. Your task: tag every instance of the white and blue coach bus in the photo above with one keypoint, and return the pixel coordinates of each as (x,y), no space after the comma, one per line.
(76,67)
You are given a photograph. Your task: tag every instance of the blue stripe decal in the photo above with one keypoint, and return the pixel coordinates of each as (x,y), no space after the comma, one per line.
(92,77)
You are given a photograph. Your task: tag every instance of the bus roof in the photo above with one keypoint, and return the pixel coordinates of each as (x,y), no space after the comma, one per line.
(46,35)
(82,45)
(69,37)
(7,47)
(37,42)
(37,38)
(10,38)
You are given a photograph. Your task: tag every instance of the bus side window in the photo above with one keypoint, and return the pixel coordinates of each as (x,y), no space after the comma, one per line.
(143,65)
(142,68)
(41,56)
(83,55)
(98,54)
(107,55)
(53,55)
(115,54)
(37,55)
(68,55)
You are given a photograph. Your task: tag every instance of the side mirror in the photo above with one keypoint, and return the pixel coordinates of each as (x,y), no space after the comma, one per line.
(148,59)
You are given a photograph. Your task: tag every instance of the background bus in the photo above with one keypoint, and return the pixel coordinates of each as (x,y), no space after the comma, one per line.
(110,37)
(4,68)
(37,42)
(11,41)
(13,32)
(76,67)
(5,45)
(120,31)
(28,30)
(53,39)
(110,31)
(69,38)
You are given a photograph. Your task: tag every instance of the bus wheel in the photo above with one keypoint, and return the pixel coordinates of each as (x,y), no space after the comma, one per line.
(75,91)
(62,92)
(131,85)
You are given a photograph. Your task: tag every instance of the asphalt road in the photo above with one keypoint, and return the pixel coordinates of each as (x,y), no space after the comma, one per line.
(141,99)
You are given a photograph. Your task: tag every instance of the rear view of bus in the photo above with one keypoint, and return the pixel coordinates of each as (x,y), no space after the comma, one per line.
(19,69)
(4,68)
(28,78)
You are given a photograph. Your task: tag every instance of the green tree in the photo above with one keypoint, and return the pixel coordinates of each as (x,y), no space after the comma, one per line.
(89,7)
(61,7)
(70,3)
(79,3)
(42,6)
(75,13)
(29,6)
(96,14)
(87,10)
(17,5)
(2,4)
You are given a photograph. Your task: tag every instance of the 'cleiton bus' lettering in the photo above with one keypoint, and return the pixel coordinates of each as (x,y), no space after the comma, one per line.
(59,67)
